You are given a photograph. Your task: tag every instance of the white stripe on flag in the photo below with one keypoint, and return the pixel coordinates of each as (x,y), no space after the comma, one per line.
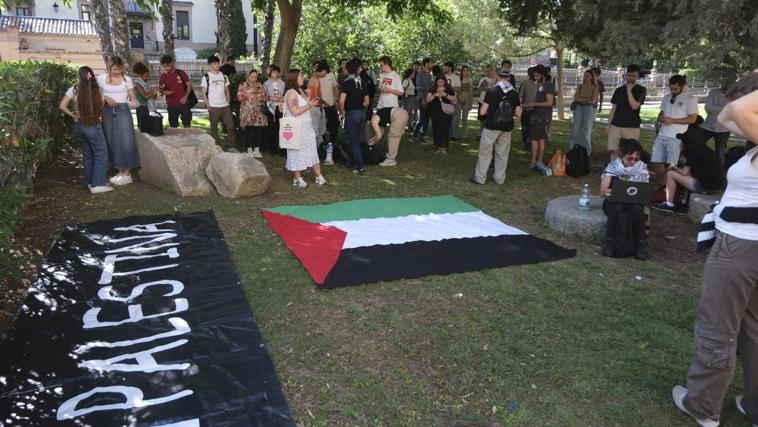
(706,235)
(433,227)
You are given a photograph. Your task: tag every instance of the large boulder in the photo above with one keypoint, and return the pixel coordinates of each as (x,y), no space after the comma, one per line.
(700,204)
(563,215)
(177,160)
(237,175)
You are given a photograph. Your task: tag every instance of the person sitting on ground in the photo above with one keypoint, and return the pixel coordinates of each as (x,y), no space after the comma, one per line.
(627,167)
(700,172)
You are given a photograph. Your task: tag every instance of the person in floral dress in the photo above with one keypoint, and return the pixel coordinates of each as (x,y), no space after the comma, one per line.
(253,121)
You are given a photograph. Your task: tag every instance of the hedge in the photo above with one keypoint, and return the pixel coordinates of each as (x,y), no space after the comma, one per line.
(32,131)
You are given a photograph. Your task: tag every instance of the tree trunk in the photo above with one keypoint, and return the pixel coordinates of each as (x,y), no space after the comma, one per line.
(222,16)
(102,22)
(120,32)
(268,35)
(290,20)
(559,50)
(167,18)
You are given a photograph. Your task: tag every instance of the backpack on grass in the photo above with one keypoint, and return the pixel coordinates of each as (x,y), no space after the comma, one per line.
(577,162)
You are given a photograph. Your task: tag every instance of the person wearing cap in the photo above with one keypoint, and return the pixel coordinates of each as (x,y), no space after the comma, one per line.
(496,133)
(542,113)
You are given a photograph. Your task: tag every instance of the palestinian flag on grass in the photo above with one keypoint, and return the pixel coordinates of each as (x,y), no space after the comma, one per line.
(361,241)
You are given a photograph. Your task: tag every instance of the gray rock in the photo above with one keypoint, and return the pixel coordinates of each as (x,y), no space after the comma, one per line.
(699,205)
(563,215)
(237,175)
(177,160)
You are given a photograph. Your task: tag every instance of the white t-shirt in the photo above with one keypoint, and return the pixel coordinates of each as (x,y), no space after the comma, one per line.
(118,92)
(328,83)
(455,81)
(217,90)
(390,80)
(273,88)
(70,93)
(684,105)
(742,191)
(410,88)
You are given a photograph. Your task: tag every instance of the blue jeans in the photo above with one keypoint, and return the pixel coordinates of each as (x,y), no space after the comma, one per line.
(354,120)
(94,153)
(581,128)
(423,122)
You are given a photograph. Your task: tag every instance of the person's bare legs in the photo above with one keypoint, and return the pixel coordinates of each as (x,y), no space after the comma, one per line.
(659,173)
(378,133)
(317,169)
(535,151)
(674,178)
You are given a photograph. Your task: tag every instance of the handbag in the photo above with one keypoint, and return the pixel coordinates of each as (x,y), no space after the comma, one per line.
(448,109)
(192,98)
(290,136)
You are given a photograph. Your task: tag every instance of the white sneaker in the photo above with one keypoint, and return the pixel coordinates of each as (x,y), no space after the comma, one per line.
(299,183)
(100,189)
(320,180)
(121,179)
(738,401)
(679,393)
(257,153)
(388,162)
(249,151)
(328,160)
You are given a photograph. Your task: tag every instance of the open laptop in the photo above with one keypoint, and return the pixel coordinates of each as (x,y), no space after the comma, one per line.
(636,193)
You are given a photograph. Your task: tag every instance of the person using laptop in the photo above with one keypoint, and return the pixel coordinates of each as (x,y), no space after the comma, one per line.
(626,167)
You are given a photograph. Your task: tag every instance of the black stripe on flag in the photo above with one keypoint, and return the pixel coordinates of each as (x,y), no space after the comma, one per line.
(415,259)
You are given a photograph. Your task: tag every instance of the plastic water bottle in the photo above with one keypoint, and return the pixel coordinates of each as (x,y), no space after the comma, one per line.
(584,198)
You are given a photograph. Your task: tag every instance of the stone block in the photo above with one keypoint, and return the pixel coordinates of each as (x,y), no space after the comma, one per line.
(177,160)
(563,215)
(237,175)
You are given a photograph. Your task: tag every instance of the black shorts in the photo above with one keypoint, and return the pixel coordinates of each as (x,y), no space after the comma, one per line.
(539,129)
(384,116)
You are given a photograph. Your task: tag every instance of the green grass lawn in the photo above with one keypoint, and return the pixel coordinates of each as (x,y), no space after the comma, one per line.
(584,341)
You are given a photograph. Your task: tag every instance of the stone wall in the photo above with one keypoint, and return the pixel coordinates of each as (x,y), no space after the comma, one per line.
(79,50)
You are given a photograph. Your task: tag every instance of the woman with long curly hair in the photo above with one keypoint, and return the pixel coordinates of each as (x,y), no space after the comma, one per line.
(118,125)
(88,128)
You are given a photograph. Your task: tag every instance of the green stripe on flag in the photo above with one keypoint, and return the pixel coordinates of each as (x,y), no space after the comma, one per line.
(376,208)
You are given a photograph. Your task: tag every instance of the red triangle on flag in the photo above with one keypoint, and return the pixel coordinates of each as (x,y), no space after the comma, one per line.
(316,246)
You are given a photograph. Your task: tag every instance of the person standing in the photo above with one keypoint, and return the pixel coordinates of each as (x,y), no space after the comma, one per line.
(296,105)
(423,85)
(342,73)
(726,322)
(390,89)
(711,127)
(678,111)
(624,119)
(176,86)
(410,100)
(330,93)
(465,99)
(274,86)
(215,91)
(353,104)
(118,125)
(496,134)
(527,91)
(253,120)
(597,72)
(228,69)
(88,102)
(542,114)
(455,83)
(314,94)
(585,98)
(441,94)
(143,92)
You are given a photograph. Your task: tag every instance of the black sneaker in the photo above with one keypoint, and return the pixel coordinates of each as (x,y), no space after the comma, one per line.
(663,207)
(359,171)
(474,181)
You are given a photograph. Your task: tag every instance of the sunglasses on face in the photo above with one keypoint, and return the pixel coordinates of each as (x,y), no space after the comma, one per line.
(632,159)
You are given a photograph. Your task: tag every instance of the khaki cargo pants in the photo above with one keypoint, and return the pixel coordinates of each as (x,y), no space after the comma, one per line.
(727,322)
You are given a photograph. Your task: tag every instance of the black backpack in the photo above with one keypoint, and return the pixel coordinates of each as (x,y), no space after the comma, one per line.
(504,114)
(623,238)
(577,162)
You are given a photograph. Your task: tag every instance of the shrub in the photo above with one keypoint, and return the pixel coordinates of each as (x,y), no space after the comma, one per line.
(32,130)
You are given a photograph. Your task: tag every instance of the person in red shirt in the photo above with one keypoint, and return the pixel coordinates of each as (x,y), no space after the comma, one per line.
(176,86)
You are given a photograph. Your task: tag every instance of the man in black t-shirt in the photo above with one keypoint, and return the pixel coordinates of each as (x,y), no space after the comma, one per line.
(624,119)
(542,115)
(496,133)
(354,100)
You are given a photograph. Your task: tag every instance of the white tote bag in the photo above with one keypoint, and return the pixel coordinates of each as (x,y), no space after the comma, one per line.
(290,136)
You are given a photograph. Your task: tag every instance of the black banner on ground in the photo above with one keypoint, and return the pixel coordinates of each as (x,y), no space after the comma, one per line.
(139,322)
